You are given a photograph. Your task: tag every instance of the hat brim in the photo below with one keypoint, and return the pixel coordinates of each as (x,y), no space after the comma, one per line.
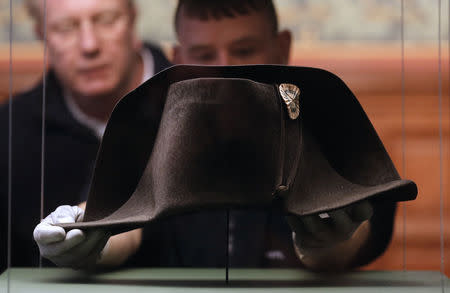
(334,118)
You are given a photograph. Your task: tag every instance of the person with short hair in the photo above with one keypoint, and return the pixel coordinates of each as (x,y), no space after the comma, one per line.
(95,58)
(229,33)
(237,32)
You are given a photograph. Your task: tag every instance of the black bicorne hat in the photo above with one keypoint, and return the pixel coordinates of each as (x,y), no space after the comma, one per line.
(198,137)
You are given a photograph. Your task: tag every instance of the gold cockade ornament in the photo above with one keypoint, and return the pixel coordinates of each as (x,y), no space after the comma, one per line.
(291,94)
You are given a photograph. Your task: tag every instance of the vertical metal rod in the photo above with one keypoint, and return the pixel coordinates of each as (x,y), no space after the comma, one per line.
(227,253)
(10,113)
(44,86)
(403,123)
(441,195)
(448,69)
(448,64)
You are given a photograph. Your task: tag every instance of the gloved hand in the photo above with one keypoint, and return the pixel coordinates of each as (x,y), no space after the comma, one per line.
(314,233)
(75,249)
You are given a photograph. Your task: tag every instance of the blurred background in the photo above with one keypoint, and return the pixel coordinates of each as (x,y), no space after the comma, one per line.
(361,42)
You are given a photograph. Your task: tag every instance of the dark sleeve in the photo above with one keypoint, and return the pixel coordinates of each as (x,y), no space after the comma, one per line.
(3,185)
(381,227)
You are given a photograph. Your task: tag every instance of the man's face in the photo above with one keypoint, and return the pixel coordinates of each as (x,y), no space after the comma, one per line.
(90,44)
(243,39)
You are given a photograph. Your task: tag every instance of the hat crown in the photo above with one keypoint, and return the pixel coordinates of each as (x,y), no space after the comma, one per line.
(199,137)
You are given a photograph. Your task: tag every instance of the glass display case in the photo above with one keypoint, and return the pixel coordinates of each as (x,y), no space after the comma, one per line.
(394,57)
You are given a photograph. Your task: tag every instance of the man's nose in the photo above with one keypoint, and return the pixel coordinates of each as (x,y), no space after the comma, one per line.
(89,40)
(224,58)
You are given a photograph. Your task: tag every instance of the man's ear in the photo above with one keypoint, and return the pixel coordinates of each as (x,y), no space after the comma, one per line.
(284,39)
(176,53)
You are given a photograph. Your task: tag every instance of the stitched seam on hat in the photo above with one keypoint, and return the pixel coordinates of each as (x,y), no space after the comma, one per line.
(294,170)
(282,145)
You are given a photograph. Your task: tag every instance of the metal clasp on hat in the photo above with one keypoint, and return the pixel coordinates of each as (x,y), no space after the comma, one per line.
(291,97)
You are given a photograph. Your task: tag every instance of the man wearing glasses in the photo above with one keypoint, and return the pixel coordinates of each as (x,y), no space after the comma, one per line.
(95,58)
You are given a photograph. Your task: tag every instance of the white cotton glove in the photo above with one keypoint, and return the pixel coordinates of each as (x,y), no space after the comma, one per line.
(75,249)
(325,230)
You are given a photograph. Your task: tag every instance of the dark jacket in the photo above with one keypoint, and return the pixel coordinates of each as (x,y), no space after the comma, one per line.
(70,152)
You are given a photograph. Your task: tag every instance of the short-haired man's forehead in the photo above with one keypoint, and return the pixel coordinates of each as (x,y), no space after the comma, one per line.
(239,29)
(196,47)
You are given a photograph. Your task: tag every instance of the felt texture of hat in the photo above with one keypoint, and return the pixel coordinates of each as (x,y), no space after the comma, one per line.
(201,137)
